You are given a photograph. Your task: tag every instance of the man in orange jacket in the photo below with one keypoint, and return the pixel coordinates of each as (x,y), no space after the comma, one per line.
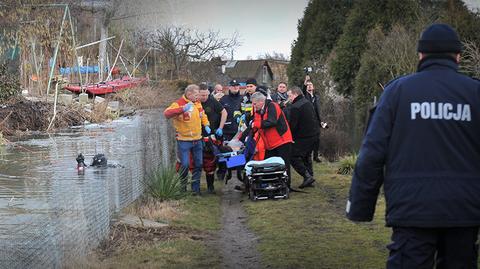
(270,122)
(188,118)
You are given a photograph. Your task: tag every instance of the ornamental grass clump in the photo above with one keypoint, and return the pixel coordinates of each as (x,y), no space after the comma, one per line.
(347,165)
(164,184)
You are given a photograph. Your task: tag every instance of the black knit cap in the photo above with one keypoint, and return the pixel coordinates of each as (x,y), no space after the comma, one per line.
(251,81)
(439,38)
(263,90)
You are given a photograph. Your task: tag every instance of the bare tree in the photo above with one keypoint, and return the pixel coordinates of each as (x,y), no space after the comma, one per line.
(278,56)
(180,45)
(471,58)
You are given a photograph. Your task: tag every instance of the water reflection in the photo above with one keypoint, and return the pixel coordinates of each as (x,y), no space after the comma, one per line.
(49,213)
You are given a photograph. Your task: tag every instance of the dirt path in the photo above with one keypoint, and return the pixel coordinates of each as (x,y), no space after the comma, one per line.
(236,242)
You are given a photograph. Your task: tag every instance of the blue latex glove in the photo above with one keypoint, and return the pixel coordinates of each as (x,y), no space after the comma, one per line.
(219,132)
(208,130)
(187,107)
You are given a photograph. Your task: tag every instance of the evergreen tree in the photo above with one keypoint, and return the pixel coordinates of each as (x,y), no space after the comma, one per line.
(317,35)
(353,42)
(295,67)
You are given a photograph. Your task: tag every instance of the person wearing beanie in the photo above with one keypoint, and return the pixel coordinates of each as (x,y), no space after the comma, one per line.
(422,144)
(251,87)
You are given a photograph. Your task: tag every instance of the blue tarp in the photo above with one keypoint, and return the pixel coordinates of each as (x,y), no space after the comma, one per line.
(83,70)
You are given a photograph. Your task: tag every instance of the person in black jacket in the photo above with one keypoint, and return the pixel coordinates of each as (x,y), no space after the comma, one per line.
(423,145)
(233,105)
(309,93)
(217,116)
(305,132)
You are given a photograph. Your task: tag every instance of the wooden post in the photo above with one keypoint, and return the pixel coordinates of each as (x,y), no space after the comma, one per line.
(136,66)
(124,65)
(115,62)
(155,65)
(55,54)
(74,46)
(54,106)
(86,75)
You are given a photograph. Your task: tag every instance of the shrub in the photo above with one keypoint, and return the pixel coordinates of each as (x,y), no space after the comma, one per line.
(347,164)
(9,84)
(165,184)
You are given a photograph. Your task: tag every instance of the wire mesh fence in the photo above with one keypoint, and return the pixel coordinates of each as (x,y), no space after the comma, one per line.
(49,213)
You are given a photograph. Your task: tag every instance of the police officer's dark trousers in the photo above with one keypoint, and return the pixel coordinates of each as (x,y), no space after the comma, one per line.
(440,248)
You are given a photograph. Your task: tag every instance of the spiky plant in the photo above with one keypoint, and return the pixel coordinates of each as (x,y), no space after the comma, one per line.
(165,184)
(347,165)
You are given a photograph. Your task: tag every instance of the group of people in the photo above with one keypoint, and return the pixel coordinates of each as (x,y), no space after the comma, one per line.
(285,123)
(422,144)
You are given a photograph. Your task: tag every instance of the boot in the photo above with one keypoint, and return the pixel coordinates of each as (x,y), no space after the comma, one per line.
(229,176)
(210,183)
(239,175)
(221,175)
(307,181)
(196,188)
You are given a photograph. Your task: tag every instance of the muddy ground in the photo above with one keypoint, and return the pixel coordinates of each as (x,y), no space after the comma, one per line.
(124,237)
(21,115)
(237,243)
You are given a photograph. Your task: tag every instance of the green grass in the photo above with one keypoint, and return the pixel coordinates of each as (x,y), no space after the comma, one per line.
(310,230)
(181,253)
(202,214)
(347,164)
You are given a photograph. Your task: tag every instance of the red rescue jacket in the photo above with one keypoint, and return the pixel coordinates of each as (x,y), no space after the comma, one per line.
(272,126)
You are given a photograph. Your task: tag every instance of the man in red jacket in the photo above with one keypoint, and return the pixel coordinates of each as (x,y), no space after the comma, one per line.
(273,128)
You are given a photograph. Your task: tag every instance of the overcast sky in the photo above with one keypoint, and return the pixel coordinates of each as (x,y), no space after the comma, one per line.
(263,25)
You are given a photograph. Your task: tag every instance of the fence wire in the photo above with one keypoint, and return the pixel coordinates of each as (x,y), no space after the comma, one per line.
(50,215)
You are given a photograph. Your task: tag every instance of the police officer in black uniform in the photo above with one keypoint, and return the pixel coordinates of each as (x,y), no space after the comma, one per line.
(423,145)
(233,105)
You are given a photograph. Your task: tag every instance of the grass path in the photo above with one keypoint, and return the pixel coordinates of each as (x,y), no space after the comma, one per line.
(305,231)
(310,230)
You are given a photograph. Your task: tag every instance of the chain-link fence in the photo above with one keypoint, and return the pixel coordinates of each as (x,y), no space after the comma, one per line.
(49,214)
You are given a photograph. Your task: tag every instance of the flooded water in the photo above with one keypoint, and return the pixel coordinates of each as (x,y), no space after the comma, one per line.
(49,214)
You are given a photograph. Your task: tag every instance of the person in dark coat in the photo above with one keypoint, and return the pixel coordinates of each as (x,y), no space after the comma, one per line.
(233,105)
(309,93)
(423,145)
(217,116)
(305,132)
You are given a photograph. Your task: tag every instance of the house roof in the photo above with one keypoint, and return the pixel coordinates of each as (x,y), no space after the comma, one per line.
(245,69)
